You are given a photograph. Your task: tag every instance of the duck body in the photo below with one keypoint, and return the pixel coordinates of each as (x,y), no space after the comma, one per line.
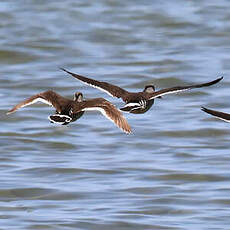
(65,117)
(137,103)
(138,107)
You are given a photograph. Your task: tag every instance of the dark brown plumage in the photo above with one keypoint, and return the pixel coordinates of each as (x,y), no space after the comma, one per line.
(139,102)
(70,110)
(217,114)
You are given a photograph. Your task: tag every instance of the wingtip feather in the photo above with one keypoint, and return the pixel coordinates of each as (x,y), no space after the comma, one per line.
(203,108)
(128,131)
(65,70)
(124,125)
(61,68)
(11,111)
(219,79)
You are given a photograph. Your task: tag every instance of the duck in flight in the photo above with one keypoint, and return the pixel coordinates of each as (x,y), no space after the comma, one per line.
(139,102)
(70,110)
(217,114)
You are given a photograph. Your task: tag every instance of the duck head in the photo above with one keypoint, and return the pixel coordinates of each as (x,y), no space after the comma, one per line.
(78,97)
(150,89)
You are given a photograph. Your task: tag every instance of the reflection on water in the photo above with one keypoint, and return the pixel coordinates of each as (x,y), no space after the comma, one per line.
(171,173)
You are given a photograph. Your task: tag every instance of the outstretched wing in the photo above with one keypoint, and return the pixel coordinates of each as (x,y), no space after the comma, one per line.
(110,89)
(107,109)
(217,114)
(47,97)
(181,88)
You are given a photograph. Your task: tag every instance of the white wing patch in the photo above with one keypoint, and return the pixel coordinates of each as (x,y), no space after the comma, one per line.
(98,87)
(23,104)
(169,92)
(131,104)
(104,113)
(100,110)
(134,106)
(222,119)
(130,107)
(39,99)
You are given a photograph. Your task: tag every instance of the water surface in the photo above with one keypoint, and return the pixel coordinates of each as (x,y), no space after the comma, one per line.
(171,173)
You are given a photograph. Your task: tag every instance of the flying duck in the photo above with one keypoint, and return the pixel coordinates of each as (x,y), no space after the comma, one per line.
(139,102)
(217,114)
(70,110)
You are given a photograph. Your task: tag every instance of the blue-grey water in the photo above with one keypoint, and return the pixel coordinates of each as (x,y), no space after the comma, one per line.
(173,172)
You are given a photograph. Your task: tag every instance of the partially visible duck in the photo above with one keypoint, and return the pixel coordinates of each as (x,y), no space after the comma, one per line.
(217,114)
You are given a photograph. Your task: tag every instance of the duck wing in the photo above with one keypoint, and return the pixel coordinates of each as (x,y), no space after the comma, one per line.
(48,97)
(217,114)
(177,89)
(107,109)
(110,89)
